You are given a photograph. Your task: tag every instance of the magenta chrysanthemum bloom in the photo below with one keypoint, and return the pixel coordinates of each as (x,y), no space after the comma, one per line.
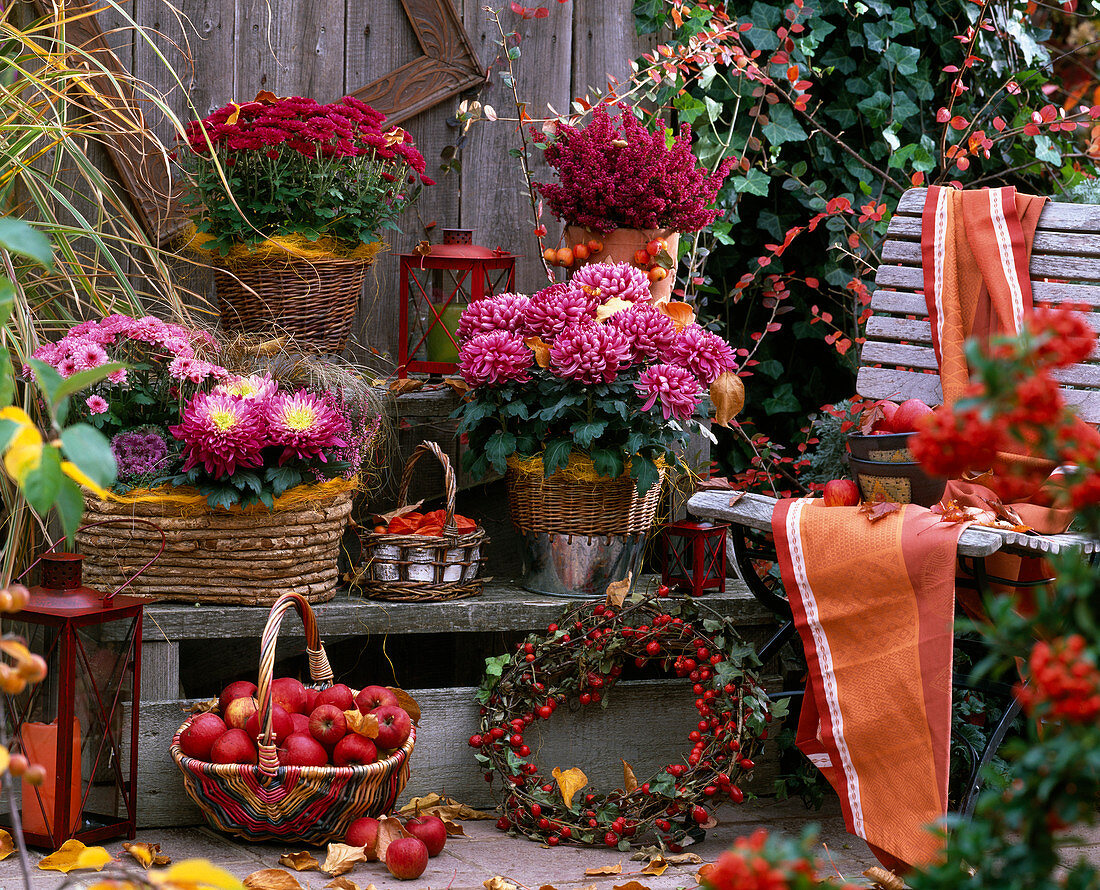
(553,309)
(221,433)
(504,312)
(620,280)
(590,353)
(495,357)
(256,387)
(649,331)
(194,369)
(87,354)
(304,425)
(677,388)
(704,353)
(96,404)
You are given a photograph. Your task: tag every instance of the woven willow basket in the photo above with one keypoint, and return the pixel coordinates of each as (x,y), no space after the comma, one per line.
(577,501)
(303,804)
(423,568)
(248,557)
(314,301)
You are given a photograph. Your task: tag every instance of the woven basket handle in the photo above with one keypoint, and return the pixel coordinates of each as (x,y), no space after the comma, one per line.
(450,487)
(319,668)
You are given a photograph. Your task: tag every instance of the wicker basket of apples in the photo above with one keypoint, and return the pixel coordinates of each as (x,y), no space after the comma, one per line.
(881,460)
(283,761)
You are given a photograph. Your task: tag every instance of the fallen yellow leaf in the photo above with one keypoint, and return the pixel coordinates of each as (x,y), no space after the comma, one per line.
(682,858)
(701,875)
(406,384)
(630,885)
(885,879)
(569,783)
(443,807)
(655,866)
(407,702)
(681,313)
(200,873)
(5,759)
(630,781)
(459,385)
(73,855)
(342,883)
(272,879)
(364,724)
(146,854)
(6,845)
(341,858)
(301,861)
(605,870)
(498,883)
(617,590)
(728,395)
(612,307)
(453,829)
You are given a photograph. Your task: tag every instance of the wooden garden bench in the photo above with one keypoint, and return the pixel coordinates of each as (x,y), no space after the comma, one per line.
(898,363)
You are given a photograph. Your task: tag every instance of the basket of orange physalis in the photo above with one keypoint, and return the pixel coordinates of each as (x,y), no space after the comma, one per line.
(422,557)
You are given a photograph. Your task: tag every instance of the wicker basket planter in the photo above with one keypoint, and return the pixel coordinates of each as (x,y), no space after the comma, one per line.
(246,557)
(422,568)
(314,301)
(303,804)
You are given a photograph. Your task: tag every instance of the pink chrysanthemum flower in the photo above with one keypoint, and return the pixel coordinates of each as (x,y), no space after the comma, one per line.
(649,330)
(87,354)
(707,355)
(495,357)
(257,387)
(677,388)
(590,353)
(553,309)
(504,312)
(96,404)
(66,367)
(118,376)
(304,425)
(194,369)
(221,433)
(620,280)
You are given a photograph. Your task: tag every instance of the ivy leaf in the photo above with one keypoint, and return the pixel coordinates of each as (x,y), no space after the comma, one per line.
(782,126)
(903,59)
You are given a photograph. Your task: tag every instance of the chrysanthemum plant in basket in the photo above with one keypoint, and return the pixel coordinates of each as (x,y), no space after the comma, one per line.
(589,368)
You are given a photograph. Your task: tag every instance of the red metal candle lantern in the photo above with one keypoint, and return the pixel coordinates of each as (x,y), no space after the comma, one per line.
(81,723)
(436,287)
(693,556)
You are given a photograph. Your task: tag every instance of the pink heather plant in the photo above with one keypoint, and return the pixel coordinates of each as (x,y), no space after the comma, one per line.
(614,280)
(705,354)
(221,434)
(614,173)
(677,388)
(503,312)
(495,357)
(304,426)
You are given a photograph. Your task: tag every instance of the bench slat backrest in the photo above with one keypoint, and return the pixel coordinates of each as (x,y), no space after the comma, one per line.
(897,361)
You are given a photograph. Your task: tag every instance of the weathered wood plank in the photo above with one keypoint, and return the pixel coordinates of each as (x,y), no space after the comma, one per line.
(920,330)
(604,43)
(257,35)
(160,670)
(909,278)
(1074,268)
(908,228)
(1056,216)
(893,302)
(309,50)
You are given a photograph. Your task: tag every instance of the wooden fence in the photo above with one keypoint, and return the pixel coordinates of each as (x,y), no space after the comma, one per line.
(231,49)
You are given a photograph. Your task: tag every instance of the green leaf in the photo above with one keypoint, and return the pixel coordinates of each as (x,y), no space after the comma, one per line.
(755,182)
(498,448)
(782,126)
(7,381)
(608,463)
(49,381)
(903,59)
(42,484)
(18,237)
(644,471)
(585,432)
(7,300)
(91,451)
(70,506)
(556,455)
(282,479)
(8,429)
(783,400)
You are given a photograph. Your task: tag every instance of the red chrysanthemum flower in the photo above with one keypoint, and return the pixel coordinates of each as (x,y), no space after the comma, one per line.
(620,280)
(504,312)
(649,330)
(707,355)
(495,357)
(590,353)
(553,309)
(304,425)
(677,388)
(220,433)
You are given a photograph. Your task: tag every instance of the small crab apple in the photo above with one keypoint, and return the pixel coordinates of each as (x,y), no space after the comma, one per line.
(551,256)
(581,252)
(641,257)
(657,273)
(594,245)
(565,257)
(655,246)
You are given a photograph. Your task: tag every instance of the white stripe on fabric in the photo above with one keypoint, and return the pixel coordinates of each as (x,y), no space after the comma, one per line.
(938,254)
(825,658)
(1008,260)
(820,760)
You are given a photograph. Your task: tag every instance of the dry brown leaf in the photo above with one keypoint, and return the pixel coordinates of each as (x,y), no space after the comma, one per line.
(681,313)
(459,385)
(300,861)
(880,509)
(728,395)
(498,883)
(630,781)
(548,887)
(443,807)
(630,885)
(364,724)
(735,497)
(405,384)
(407,702)
(612,307)
(147,855)
(704,871)
(342,883)
(384,518)
(453,829)
(885,879)
(655,866)
(617,590)
(341,858)
(389,830)
(272,879)
(541,349)
(6,845)
(682,858)
(569,783)
(605,870)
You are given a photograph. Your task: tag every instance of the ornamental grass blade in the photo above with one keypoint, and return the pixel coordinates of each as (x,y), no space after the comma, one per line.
(569,783)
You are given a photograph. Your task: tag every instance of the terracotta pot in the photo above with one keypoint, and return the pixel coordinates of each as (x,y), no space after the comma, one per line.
(620,246)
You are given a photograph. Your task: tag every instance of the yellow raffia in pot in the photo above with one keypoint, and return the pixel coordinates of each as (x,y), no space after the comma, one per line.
(186,501)
(284,247)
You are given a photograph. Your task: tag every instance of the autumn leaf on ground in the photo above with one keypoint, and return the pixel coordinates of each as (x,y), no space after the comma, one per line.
(878,509)
(617,590)
(569,783)
(443,807)
(630,781)
(272,879)
(405,384)
(453,829)
(6,845)
(407,702)
(147,855)
(701,875)
(682,858)
(885,879)
(630,885)
(201,873)
(605,870)
(342,883)
(655,866)
(459,385)
(364,724)
(301,861)
(73,855)
(389,830)
(498,883)
(728,395)
(341,858)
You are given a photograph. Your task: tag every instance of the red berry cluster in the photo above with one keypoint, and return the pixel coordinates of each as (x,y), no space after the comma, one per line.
(579,659)
(761,862)
(1064,682)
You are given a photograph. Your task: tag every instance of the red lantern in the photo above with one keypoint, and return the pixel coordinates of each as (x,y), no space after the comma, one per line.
(436,286)
(81,723)
(693,556)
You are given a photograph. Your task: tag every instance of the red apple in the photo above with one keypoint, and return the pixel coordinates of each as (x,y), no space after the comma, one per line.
(312,699)
(394,726)
(841,493)
(199,737)
(374,697)
(354,750)
(238,711)
(281,724)
(290,695)
(431,830)
(909,414)
(300,722)
(302,750)
(327,724)
(406,858)
(339,695)
(885,423)
(236,689)
(363,833)
(233,746)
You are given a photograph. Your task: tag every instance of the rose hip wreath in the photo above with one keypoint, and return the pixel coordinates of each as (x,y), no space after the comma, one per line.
(579,659)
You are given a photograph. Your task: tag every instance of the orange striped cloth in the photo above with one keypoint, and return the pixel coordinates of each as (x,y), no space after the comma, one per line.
(874,606)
